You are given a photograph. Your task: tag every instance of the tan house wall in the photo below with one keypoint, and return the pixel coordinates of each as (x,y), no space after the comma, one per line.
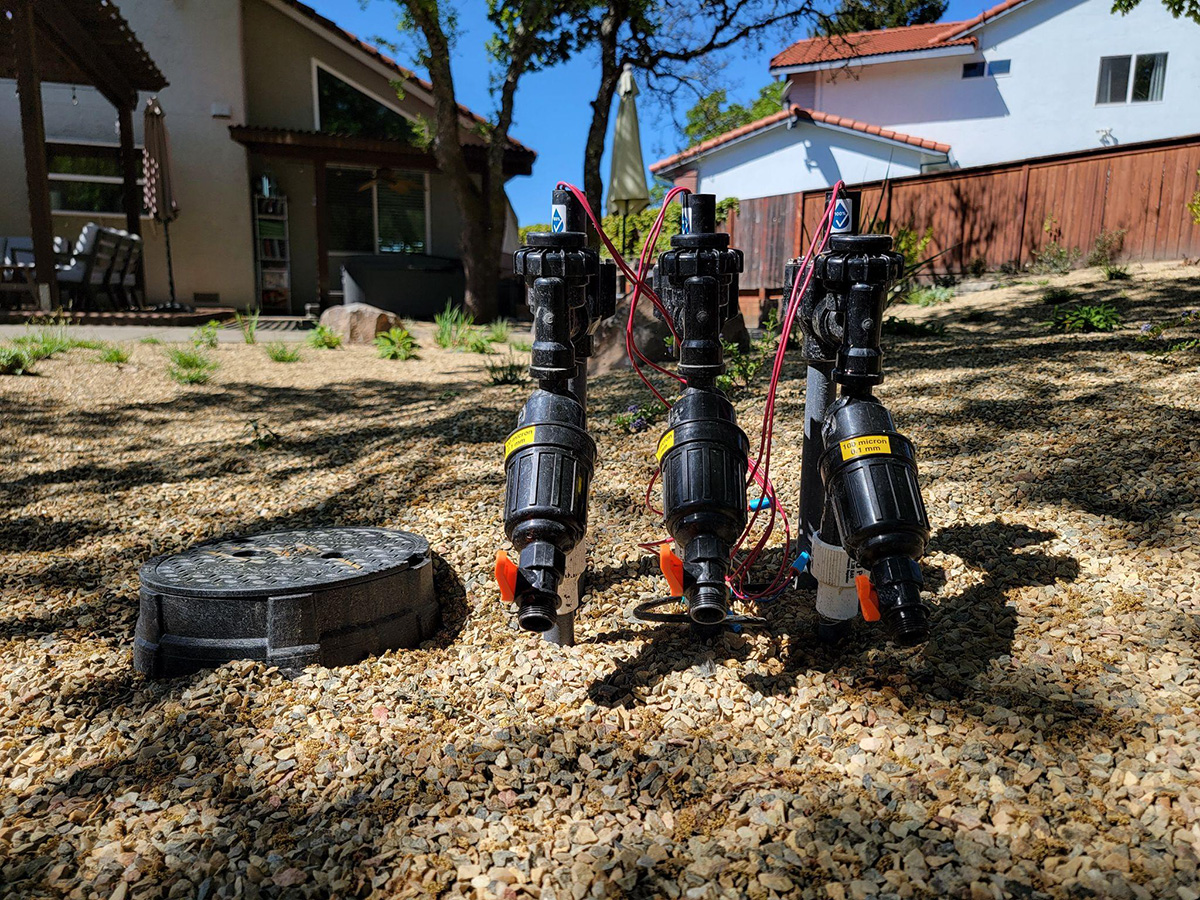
(197,45)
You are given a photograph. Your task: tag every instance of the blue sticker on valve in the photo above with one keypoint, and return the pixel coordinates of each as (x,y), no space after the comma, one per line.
(841,215)
(558,218)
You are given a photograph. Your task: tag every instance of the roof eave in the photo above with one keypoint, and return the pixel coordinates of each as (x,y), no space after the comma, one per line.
(964,49)
(973,25)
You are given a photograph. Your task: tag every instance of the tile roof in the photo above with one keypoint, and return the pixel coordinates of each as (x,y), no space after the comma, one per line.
(869,43)
(813,116)
(956,28)
(407,74)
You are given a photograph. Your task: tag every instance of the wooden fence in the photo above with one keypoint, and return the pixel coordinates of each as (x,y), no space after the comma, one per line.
(1002,214)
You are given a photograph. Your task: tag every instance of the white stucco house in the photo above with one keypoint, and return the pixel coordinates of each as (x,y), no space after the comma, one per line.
(1026,78)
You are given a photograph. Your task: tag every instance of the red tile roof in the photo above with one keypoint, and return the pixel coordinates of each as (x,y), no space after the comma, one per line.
(868,43)
(813,116)
(407,74)
(953,29)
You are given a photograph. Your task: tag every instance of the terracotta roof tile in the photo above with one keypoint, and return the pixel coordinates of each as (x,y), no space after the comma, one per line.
(814,116)
(953,29)
(869,43)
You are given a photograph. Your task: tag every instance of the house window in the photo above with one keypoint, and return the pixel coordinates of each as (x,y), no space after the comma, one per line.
(375,211)
(979,69)
(1149,72)
(999,67)
(344,109)
(87,178)
(974,70)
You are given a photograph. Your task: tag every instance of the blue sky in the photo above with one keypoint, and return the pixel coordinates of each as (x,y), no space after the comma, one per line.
(552,112)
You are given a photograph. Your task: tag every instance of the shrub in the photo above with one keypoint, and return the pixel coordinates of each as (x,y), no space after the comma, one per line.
(475,342)
(396,343)
(928,296)
(116,355)
(1163,338)
(1097,317)
(1113,272)
(206,335)
(912,328)
(248,325)
(1055,295)
(15,360)
(324,338)
(509,371)
(977,267)
(634,419)
(741,368)
(1106,247)
(282,353)
(1193,205)
(1054,259)
(451,326)
(190,366)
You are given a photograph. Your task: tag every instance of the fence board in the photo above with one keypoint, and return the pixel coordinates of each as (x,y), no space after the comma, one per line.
(998,213)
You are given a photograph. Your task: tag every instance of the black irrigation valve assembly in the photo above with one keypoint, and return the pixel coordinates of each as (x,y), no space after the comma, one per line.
(862,526)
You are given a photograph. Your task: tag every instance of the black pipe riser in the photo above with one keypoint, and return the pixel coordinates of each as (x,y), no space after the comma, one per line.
(548,468)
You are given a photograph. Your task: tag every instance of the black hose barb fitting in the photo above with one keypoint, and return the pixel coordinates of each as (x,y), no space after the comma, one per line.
(868,469)
(549,458)
(703,454)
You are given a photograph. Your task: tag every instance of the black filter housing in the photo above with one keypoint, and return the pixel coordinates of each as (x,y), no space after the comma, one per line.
(703,458)
(870,476)
(549,460)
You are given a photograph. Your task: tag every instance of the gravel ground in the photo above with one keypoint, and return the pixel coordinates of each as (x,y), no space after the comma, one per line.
(1043,744)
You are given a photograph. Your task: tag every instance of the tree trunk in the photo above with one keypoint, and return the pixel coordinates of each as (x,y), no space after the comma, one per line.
(610,73)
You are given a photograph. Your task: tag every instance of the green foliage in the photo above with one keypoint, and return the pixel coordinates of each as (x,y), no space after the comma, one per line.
(206,335)
(712,115)
(1178,334)
(520,346)
(871,15)
(1056,295)
(1091,317)
(115,355)
(15,360)
(637,231)
(635,418)
(248,325)
(977,267)
(1187,8)
(282,353)
(1054,258)
(1106,247)
(499,331)
(262,435)
(911,327)
(1114,272)
(525,230)
(1193,205)
(152,341)
(928,296)
(475,341)
(324,338)
(396,343)
(725,207)
(51,337)
(507,371)
(451,327)
(190,366)
(742,368)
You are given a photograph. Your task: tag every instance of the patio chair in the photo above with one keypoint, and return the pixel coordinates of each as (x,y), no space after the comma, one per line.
(76,275)
(129,276)
(115,275)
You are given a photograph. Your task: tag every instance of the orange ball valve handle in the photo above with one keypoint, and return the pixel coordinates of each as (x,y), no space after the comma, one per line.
(506,576)
(672,569)
(868,600)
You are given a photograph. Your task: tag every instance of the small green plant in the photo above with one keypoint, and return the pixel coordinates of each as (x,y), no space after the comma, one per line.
(15,360)
(451,327)
(190,366)
(324,338)
(928,296)
(1092,317)
(262,435)
(741,368)
(282,353)
(1164,339)
(115,355)
(507,371)
(1193,205)
(396,343)
(1114,272)
(206,335)
(634,419)
(977,267)
(1054,259)
(499,331)
(1056,295)
(248,325)
(520,346)
(475,342)
(912,328)
(1106,247)
(153,341)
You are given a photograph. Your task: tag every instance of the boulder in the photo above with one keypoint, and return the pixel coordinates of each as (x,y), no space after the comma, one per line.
(649,333)
(358,323)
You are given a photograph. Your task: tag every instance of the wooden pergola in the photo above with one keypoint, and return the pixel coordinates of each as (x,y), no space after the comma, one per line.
(77,42)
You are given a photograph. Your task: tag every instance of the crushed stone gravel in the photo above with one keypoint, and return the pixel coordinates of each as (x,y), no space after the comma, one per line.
(1045,743)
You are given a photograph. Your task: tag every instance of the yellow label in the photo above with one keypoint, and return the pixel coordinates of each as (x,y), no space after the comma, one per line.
(865,446)
(517,440)
(665,443)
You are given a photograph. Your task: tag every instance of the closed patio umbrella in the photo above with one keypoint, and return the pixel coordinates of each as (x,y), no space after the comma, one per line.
(627,192)
(159,191)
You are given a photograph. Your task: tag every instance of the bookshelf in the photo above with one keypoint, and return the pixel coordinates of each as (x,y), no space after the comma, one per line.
(273,253)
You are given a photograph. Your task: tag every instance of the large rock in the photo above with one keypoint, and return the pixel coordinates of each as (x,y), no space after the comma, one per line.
(649,333)
(358,323)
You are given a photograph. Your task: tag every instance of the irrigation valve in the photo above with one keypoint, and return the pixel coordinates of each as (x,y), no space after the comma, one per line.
(864,522)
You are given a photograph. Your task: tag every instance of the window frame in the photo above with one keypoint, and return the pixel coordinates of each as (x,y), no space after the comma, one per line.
(1005,74)
(982,69)
(372,171)
(61,146)
(1130,78)
(316,94)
